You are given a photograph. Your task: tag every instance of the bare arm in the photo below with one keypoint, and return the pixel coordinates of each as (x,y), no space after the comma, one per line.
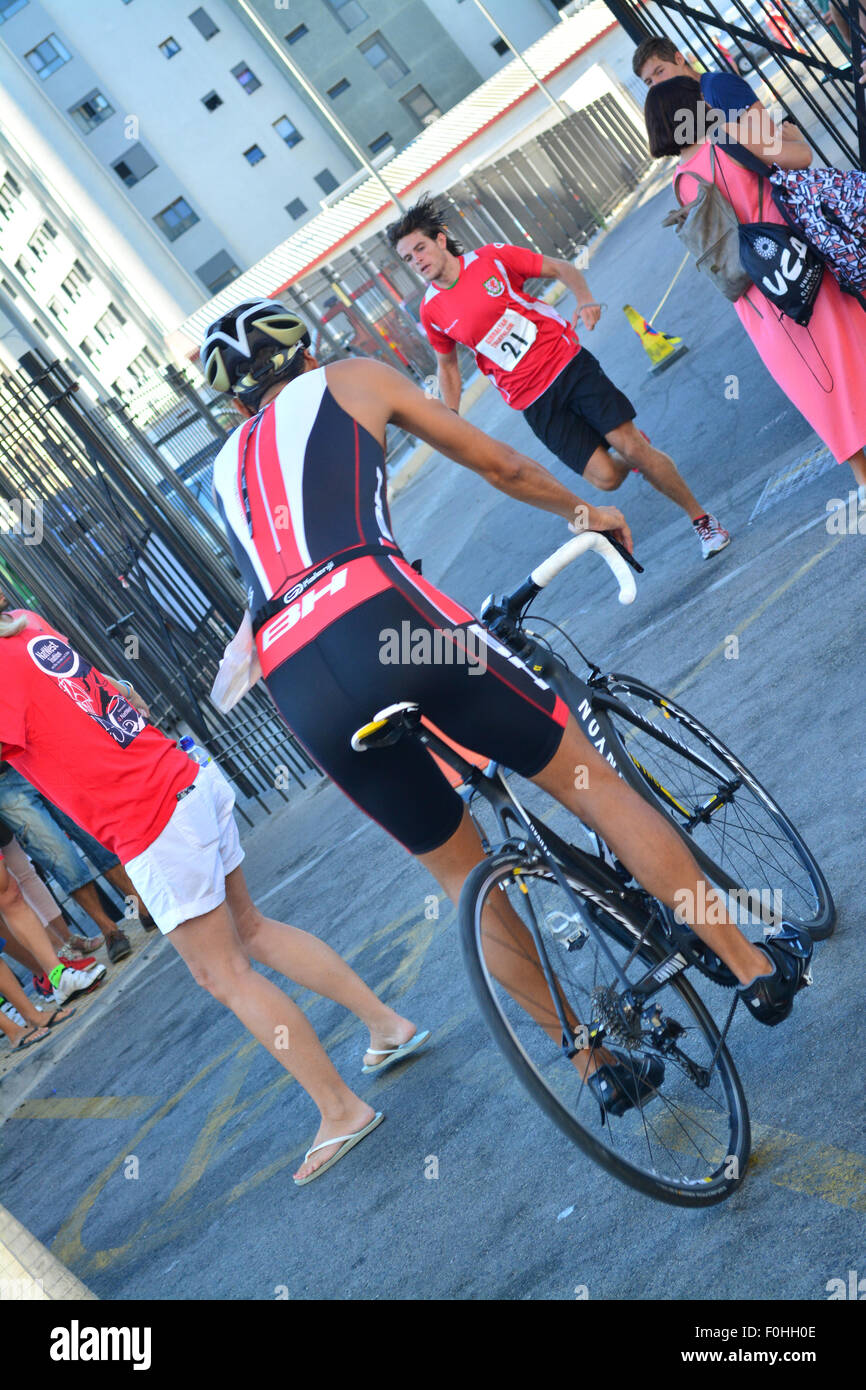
(575,281)
(783,145)
(362,387)
(450,385)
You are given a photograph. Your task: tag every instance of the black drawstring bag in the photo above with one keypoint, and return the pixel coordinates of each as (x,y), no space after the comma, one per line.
(781,264)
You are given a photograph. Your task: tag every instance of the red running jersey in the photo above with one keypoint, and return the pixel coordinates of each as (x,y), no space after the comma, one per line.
(521,342)
(69,731)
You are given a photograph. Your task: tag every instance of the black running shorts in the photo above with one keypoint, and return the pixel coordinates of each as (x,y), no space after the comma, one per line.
(410,642)
(575,413)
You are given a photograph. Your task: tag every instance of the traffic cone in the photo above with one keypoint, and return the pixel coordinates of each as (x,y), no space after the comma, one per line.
(660,348)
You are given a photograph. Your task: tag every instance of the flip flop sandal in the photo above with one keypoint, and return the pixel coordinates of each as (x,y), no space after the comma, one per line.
(393,1054)
(54,1021)
(29,1040)
(347,1142)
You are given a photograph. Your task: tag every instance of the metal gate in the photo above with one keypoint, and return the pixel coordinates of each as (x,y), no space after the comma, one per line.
(104,542)
(809,65)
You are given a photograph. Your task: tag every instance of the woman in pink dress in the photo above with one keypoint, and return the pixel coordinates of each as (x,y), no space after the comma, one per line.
(821,367)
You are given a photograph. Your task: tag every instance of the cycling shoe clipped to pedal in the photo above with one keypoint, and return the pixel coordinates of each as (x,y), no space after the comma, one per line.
(630,1081)
(770,998)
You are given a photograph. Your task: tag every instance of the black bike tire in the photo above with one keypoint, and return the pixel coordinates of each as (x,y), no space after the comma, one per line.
(823,923)
(475,889)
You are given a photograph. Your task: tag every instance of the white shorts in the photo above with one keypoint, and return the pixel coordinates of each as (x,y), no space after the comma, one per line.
(183,873)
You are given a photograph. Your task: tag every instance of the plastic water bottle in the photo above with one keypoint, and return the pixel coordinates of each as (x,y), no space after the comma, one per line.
(193,751)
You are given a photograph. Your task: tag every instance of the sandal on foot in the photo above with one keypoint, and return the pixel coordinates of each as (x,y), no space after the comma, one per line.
(36,1033)
(346,1142)
(393,1054)
(54,1021)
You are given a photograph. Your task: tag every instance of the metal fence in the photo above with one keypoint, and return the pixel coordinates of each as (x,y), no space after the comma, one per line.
(808,62)
(116,554)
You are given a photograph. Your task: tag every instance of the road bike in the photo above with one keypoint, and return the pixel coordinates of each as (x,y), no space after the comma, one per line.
(620,968)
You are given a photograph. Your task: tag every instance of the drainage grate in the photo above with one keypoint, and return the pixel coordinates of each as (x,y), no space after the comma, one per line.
(793,476)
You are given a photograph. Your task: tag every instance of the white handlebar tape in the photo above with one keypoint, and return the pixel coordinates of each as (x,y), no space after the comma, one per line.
(587,540)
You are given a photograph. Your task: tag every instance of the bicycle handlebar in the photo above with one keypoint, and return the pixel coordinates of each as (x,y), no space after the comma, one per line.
(610,552)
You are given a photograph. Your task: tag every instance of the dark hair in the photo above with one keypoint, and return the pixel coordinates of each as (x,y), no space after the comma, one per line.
(428,217)
(666,104)
(656,46)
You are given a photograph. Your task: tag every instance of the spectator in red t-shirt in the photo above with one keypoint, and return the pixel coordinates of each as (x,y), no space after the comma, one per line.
(534,358)
(68,729)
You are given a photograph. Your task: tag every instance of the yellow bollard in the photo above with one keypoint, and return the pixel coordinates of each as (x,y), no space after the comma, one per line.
(660,348)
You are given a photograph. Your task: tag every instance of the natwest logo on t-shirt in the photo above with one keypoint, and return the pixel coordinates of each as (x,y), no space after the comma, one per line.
(54,657)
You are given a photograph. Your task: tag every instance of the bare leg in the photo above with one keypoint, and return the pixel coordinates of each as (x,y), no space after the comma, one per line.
(858,466)
(302,957)
(656,467)
(88,898)
(11,990)
(24,924)
(218,961)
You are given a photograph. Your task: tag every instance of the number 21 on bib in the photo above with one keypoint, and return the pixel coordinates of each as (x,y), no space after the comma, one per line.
(508,341)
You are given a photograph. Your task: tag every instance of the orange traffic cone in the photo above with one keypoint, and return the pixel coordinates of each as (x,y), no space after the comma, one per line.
(660,348)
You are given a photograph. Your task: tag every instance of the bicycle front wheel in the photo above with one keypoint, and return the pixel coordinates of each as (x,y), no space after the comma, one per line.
(744,841)
(687,1141)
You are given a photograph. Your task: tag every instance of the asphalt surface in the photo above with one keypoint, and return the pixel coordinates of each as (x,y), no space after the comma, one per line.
(155,1148)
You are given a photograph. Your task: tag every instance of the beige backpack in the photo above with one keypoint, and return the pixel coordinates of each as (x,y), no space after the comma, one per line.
(710,230)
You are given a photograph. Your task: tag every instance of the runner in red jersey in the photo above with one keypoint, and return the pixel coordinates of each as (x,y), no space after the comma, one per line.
(89,748)
(534,357)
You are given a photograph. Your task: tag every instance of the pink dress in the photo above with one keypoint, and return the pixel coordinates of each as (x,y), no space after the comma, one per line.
(820,367)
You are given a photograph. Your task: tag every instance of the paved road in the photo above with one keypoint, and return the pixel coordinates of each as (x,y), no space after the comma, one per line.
(167,1086)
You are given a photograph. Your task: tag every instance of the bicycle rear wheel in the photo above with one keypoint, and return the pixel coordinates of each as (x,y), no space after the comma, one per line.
(743,840)
(687,1143)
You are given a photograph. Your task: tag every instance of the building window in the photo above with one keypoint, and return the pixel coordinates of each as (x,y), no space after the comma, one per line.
(500,46)
(47,56)
(10,196)
(25,269)
(169,47)
(246,77)
(58,310)
(176,219)
(106,328)
(76,281)
(218,272)
(339,88)
(326,181)
(134,166)
(116,315)
(91,112)
(288,132)
(10,7)
(203,22)
(254,155)
(381,142)
(40,242)
(296,209)
(297,33)
(40,327)
(381,56)
(348,12)
(10,289)
(142,366)
(89,348)
(422,105)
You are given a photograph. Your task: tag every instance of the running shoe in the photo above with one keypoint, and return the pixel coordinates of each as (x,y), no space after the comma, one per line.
(73,982)
(770,998)
(43,985)
(711,535)
(630,1081)
(76,962)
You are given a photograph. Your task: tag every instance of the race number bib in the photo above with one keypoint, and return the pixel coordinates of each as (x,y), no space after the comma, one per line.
(508,341)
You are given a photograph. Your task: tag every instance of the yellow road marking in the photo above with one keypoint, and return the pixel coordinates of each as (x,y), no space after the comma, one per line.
(83,1107)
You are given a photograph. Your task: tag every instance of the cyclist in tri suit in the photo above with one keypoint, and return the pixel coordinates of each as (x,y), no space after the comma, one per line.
(534,357)
(301,490)
(88,747)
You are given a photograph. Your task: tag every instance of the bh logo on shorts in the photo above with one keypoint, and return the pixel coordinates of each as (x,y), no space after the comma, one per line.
(83,684)
(285,621)
(494,285)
